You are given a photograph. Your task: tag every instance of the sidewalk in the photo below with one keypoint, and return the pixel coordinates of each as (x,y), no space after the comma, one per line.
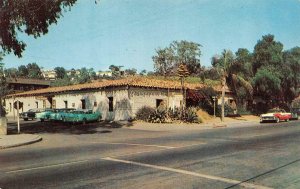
(14,140)
(211,124)
(8,141)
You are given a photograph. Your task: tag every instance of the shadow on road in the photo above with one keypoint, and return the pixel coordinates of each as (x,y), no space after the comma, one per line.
(67,128)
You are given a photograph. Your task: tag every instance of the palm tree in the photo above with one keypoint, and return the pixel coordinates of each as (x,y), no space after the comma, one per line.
(225,66)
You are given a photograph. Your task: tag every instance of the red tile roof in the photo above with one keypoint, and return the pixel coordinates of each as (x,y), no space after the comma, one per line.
(131,82)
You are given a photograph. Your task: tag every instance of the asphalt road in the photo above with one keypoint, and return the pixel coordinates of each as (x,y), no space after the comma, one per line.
(261,156)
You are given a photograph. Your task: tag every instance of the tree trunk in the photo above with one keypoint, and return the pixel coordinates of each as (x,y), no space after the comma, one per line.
(223,99)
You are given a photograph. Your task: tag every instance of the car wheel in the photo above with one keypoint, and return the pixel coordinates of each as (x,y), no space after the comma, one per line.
(42,120)
(25,119)
(277,120)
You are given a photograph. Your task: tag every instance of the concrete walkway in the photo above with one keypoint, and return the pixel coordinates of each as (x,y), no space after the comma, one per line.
(8,141)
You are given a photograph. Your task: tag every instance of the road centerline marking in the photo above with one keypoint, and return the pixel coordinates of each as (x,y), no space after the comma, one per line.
(46,166)
(211,177)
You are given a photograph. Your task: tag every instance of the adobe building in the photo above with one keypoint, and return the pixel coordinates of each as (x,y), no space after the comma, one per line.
(115,99)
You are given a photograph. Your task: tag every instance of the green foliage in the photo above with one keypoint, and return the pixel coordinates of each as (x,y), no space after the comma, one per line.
(160,115)
(190,115)
(174,113)
(60,72)
(267,52)
(61,82)
(227,110)
(144,113)
(164,61)
(179,52)
(267,82)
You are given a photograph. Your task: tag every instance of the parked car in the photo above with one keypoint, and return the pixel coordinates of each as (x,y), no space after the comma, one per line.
(59,114)
(81,116)
(275,115)
(295,113)
(30,114)
(44,115)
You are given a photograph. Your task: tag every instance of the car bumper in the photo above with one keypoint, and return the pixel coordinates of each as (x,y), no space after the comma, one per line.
(265,119)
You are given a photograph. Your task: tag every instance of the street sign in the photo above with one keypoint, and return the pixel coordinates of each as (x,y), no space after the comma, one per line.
(16,104)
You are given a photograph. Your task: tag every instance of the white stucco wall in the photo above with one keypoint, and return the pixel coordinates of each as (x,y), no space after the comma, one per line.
(148,97)
(126,101)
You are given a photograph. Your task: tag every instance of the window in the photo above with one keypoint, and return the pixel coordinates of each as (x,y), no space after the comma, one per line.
(73,105)
(44,103)
(37,104)
(66,104)
(158,102)
(110,104)
(95,104)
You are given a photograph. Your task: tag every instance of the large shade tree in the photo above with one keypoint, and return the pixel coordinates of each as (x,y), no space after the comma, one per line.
(167,60)
(32,17)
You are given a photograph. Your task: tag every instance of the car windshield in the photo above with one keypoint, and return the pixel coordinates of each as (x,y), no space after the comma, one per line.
(275,110)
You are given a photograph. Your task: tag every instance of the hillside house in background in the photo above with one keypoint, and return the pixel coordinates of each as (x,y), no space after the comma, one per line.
(115,99)
(49,74)
(17,85)
(104,74)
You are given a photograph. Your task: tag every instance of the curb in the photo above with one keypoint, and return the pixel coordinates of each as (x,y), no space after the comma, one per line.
(37,139)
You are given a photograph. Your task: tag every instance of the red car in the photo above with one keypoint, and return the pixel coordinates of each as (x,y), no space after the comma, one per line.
(275,115)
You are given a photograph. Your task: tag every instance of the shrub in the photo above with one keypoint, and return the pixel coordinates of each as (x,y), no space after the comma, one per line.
(174,114)
(227,110)
(190,115)
(144,113)
(158,116)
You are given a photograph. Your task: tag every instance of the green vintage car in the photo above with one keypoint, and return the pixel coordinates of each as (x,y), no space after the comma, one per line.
(44,115)
(59,114)
(81,116)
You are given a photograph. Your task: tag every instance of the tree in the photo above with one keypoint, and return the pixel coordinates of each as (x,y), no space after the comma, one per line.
(131,71)
(268,83)
(187,53)
(22,71)
(164,61)
(3,88)
(32,17)
(116,70)
(11,72)
(143,72)
(34,71)
(225,64)
(167,60)
(267,52)
(290,71)
(60,72)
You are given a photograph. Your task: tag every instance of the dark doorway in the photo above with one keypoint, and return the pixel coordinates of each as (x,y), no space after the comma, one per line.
(110,104)
(66,104)
(83,105)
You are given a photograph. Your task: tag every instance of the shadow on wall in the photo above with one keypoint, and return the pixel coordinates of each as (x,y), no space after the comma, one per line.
(123,110)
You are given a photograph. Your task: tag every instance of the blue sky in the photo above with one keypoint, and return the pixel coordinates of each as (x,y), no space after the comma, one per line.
(127,32)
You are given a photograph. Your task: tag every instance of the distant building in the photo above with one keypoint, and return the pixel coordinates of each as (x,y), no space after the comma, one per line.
(49,74)
(17,85)
(104,74)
